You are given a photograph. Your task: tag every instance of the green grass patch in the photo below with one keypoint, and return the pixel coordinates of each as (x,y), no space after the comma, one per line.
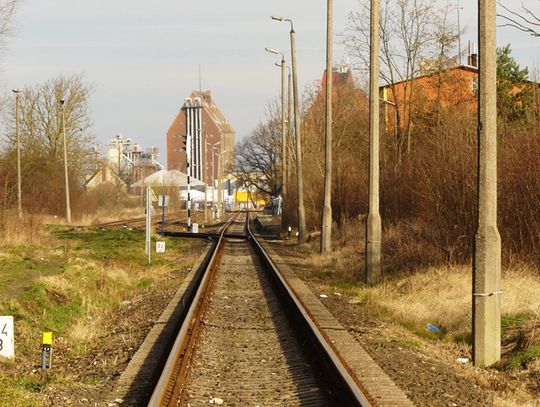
(145,282)
(510,322)
(19,265)
(113,245)
(523,358)
(66,286)
(53,311)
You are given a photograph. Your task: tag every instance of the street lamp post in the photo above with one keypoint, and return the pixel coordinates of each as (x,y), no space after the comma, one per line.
(299,182)
(66,177)
(18,135)
(221,189)
(283,123)
(326,223)
(213,148)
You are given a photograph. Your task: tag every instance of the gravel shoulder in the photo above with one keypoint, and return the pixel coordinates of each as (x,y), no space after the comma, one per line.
(427,372)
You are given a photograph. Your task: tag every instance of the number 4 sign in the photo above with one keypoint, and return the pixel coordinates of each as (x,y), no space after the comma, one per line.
(7,341)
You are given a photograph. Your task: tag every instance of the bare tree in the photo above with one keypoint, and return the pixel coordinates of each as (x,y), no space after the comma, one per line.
(525,20)
(7,9)
(257,156)
(41,137)
(410,31)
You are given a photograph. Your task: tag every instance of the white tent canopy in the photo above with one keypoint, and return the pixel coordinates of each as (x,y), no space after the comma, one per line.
(168,178)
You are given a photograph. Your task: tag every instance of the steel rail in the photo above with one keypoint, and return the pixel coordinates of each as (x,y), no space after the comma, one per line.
(356,394)
(179,357)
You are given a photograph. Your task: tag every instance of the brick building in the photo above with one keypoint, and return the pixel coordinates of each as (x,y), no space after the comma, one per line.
(200,116)
(453,88)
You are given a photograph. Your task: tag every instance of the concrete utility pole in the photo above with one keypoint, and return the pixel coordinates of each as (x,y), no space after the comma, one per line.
(487,252)
(326,227)
(283,135)
(18,135)
(68,206)
(373,226)
(289,123)
(299,182)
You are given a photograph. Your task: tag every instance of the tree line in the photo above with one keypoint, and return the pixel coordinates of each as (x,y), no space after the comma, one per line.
(428,163)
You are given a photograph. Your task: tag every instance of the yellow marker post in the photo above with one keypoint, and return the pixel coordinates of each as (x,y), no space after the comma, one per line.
(47,338)
(46,347)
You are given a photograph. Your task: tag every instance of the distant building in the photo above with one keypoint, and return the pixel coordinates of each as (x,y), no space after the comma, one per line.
(126,163)
(454,87)
(213,138)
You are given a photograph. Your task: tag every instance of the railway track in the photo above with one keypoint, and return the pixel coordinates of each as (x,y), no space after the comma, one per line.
(247,340)
(140,222)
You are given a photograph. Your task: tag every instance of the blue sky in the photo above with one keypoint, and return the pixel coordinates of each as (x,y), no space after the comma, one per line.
(142,57)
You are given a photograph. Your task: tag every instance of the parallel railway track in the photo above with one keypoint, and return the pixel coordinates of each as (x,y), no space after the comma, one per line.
(247,340)
(170,220)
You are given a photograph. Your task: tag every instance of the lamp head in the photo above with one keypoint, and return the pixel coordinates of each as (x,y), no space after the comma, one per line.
(272,51)
(277,18)
(16,91)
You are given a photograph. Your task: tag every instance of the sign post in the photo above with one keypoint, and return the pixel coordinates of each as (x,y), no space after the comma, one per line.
(160,247)
(46,349)
(148,245)
(163,202)
(7,338)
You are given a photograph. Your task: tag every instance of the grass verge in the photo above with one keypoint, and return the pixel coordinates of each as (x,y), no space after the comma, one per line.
(73,282)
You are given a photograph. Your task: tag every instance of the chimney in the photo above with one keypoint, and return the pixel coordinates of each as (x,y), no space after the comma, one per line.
(472,59)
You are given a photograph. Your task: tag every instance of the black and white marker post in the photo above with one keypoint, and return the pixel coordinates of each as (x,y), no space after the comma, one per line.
(188,163)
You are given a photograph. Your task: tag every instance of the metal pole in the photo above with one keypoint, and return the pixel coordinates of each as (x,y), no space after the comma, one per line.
(487,250)
(299,182)
(163,221)
(19,189)
(373,225)
(68,207)
(148,245)
(220,186)
(326,227)
(205,176)
(213,177)
(188,166)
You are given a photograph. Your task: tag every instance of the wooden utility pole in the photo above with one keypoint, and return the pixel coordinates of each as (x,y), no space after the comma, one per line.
(326,227)
(487,252)
(373,226)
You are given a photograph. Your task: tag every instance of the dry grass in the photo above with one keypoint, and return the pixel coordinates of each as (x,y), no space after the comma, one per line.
(442,295)
(29,230)
(108,215)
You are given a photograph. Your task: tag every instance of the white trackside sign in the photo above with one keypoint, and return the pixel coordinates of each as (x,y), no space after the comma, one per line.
(7,338)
